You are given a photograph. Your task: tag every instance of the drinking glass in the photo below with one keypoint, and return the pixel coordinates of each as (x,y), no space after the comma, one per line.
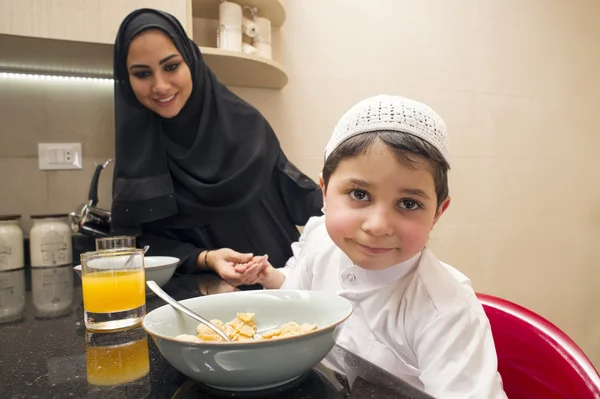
(119,358)
(113,287)
(116,242)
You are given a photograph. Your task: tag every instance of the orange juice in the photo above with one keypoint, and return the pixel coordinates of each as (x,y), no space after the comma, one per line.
(107,365)
(113,291)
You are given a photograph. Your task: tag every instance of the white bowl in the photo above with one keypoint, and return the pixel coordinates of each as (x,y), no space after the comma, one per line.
(158,268)
(261,364)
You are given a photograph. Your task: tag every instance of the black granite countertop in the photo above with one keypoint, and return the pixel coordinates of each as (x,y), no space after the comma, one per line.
(46,352)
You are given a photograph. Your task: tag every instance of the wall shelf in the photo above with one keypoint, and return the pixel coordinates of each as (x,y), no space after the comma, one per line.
(239,69)
(273,10)
(59,57)
(23,53)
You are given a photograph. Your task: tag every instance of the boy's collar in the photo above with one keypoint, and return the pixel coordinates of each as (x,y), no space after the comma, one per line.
(364,279)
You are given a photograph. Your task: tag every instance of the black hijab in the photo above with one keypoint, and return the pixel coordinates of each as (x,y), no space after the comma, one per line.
(215,156)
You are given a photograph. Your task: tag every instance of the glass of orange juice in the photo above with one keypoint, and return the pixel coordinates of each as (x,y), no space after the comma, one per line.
(115,242)
(117,364)
(113,287)
(121,359)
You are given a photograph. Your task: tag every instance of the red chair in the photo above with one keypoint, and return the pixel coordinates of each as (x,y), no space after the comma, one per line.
(535,358)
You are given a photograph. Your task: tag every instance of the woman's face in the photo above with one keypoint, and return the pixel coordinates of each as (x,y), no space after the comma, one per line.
(159,77)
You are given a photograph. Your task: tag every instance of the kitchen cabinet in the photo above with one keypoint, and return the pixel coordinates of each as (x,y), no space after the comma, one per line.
(93,21)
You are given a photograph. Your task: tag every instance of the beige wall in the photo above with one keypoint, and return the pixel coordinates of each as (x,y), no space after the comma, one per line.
(518,85)
(34,111)
(516,82)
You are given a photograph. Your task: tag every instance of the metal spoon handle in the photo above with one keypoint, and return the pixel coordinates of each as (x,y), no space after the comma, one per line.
(130,259)
(168,299)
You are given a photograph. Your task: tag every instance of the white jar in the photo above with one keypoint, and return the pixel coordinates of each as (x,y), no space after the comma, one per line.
(52,289)
(12,294)
(50,241)
(11,243)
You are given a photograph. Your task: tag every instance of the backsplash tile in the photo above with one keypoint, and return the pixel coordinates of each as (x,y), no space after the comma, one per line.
(23,188)
(82,113)
(37,111)
(23,116)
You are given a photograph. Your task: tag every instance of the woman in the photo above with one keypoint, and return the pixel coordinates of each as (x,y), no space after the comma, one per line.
(199,172)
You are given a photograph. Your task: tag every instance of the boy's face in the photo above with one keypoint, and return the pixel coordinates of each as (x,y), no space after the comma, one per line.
(378,211)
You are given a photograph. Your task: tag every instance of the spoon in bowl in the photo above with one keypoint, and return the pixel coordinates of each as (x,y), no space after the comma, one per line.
(168,299)
(130,259)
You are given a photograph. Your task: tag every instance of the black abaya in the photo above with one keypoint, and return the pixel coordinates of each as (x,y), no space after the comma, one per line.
(213,176)
(268,227)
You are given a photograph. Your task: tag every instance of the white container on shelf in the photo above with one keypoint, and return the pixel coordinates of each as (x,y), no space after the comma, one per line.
(50,241)
(11,243)
(262,41)
(264,30)
(229,33)
(231,15)
(229,39)
(263,50)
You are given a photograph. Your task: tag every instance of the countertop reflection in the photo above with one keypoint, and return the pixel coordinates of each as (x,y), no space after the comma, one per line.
(46,352)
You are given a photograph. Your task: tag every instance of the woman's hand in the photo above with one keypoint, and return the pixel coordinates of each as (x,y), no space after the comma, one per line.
(223,261)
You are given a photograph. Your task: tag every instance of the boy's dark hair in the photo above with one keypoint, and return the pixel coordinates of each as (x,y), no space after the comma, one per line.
(404,146)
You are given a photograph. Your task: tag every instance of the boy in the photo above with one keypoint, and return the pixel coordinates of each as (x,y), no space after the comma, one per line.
(385,186)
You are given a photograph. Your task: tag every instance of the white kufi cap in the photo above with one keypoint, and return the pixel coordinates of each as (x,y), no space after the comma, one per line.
(391,113)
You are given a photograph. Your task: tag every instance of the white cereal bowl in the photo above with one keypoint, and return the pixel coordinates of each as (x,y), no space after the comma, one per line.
(157,268)
(248,366)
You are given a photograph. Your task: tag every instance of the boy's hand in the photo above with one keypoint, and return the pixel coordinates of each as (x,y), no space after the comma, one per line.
(258,270)
(242,267)
(222,261)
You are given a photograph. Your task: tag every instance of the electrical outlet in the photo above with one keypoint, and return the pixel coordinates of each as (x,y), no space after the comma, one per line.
(59,156)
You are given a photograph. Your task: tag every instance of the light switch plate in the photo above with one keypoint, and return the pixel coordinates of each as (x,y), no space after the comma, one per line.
(59,156)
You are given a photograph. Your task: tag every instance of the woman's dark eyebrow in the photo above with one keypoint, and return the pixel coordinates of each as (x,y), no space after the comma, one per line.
(160,62)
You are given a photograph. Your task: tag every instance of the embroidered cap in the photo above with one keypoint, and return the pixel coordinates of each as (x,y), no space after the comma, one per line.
(391,113)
